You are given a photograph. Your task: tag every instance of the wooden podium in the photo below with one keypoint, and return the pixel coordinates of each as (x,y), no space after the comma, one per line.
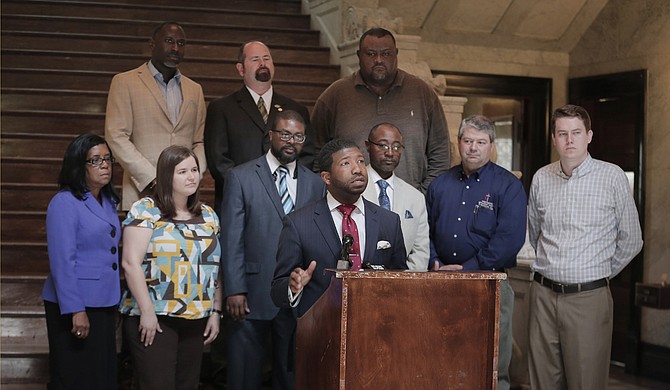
(401,330)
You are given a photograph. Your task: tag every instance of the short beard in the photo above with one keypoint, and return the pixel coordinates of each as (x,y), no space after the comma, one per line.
(263,77)
(283,158)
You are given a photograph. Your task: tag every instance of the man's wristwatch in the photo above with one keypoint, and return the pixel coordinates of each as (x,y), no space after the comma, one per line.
(218,312)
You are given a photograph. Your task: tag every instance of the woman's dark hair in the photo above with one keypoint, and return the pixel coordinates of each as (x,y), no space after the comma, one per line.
(72,175)
(167,161)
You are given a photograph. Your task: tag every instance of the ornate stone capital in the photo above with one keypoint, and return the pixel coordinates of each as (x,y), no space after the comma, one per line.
(358,20)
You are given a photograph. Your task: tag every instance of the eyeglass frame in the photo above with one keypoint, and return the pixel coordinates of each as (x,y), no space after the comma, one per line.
(109,160)
(395,147)
(286,136)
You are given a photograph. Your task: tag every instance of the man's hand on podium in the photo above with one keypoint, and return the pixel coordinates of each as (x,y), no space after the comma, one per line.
(448,267)
(300,277)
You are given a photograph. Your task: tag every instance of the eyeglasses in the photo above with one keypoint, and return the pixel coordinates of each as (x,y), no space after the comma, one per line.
(286,136)
(384,147)
(97,161)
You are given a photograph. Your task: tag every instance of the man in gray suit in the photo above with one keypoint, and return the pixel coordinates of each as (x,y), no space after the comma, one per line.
(257,195)
(385,147)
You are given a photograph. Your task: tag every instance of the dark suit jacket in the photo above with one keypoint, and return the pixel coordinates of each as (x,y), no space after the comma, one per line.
(309,234)
(235,133)
(251,222)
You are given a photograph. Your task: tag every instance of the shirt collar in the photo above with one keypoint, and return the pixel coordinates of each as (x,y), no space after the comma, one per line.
(476,174)
(333,203)
(579,171)
(397,83)
(267,96)
(273,163)
(373,177)
(159,76)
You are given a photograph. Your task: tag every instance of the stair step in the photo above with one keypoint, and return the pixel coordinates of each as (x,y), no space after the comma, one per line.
(24,368)
(25,41)
(100,81)
(21,294)
(23,386)
(249,5)
(143,28)
(21,331)
(284,6)
(148,12)
(117,62)
(23,258)
(26,121)
(42,170)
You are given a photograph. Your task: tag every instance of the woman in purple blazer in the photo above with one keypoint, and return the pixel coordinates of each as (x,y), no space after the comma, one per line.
(82,290)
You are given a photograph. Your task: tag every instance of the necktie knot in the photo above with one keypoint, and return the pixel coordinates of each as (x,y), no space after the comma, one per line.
(383,184)
(283,170)
(346,209)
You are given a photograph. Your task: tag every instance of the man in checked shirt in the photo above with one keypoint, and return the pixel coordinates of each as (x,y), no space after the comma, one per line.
(585,229)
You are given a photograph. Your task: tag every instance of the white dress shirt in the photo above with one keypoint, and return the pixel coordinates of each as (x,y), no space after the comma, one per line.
(291,179)
(267,98)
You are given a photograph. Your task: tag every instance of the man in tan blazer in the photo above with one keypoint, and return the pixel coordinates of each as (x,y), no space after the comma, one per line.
(151,108)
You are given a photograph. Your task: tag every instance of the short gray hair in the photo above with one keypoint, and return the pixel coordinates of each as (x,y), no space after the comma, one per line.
(481,123)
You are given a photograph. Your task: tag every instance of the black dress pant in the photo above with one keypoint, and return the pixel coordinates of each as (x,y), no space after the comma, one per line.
(85,364)
(246,341)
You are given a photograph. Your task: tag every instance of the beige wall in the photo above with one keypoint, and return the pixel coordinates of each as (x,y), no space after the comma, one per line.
(632,35)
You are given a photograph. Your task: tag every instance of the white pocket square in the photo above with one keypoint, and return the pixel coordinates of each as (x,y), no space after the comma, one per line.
(383,244)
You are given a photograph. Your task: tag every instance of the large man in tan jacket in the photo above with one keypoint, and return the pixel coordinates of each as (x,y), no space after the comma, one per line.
(151,108)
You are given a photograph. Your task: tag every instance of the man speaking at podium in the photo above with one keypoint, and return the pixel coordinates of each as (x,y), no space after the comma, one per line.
(311,238)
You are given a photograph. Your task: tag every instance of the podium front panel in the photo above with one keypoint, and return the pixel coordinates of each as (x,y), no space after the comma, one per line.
(404,330)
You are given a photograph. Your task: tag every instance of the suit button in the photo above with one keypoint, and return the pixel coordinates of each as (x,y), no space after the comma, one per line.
(113,250)
(113,233)
(114,266)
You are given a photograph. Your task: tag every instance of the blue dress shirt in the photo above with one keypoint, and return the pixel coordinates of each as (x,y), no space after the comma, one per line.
(477,221)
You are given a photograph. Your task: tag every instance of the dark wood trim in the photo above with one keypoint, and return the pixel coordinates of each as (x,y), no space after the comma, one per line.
(534,92)
(629,84)
(654,362)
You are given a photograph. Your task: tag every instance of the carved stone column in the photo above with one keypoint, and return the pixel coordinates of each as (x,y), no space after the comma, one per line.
(453,110)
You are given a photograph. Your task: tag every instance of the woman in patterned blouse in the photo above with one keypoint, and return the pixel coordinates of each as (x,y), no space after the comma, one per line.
(171,258)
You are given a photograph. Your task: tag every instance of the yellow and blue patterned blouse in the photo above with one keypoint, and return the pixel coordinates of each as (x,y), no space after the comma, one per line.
(181,264)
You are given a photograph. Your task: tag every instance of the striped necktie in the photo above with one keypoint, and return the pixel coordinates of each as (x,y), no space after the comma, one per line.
(286,201)
(262,109)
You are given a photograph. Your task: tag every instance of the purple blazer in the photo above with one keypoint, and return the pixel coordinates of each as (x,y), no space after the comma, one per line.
(83,239)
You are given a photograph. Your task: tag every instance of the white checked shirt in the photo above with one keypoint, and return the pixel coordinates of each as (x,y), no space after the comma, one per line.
(583,227)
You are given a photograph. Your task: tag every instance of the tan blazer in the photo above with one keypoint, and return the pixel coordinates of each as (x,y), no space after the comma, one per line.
(138,126)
